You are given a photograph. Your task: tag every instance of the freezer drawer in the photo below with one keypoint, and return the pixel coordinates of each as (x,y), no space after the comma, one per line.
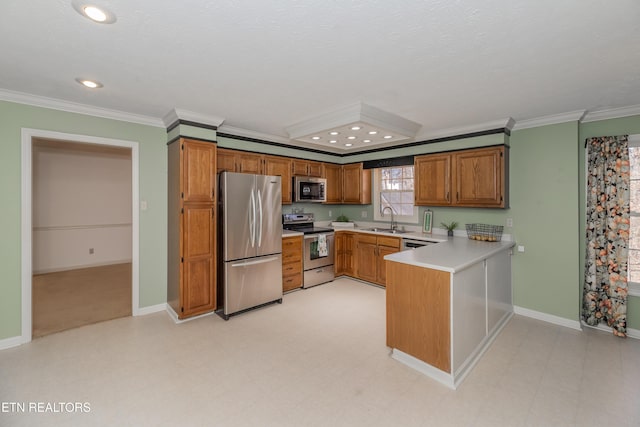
(252,282)
(318,276)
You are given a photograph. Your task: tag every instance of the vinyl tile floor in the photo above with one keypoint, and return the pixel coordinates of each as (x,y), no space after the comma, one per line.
(318,359)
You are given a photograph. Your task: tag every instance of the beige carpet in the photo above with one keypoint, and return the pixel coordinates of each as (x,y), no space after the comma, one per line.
(69,299)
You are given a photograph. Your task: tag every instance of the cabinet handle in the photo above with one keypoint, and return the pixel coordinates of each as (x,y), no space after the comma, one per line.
(447,196)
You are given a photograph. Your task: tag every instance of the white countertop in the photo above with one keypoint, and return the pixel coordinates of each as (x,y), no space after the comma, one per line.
(290,233)
(453,255)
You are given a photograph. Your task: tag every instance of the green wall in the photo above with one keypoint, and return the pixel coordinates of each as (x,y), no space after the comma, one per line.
(544,200)
(153,189)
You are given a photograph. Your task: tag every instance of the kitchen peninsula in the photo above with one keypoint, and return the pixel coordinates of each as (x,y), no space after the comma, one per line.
(446,303)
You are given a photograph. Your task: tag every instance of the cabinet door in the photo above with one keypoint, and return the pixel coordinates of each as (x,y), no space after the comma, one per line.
(349,250)
(250,163)
(432,174)
(315,169)
(198,281)
(356,184)
(198,173)
(300,168)
(386,246)
(366,258)
(333,175)
(339,260)
(280,166)
(478,177)
(226,160)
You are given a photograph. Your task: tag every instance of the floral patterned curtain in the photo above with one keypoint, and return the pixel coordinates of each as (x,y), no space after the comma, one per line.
(605,286)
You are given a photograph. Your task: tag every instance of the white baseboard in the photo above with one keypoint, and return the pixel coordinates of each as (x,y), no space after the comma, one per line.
(143,311)
(631,333)
(10,342)
(549,318)
(174,315)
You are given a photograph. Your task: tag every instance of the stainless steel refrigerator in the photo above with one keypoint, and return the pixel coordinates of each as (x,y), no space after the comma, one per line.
(251,224)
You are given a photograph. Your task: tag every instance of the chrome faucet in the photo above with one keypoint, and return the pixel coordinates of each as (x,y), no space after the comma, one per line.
(392,224)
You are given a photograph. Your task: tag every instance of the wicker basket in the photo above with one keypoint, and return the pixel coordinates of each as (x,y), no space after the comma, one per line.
(484,232)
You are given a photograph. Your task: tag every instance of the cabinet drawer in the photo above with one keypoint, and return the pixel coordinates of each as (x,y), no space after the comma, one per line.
(291,257)
(291,282)
(366,238)
(393,242)
(289,269)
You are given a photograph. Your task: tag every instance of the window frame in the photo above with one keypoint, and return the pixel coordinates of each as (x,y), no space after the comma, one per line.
(377,216)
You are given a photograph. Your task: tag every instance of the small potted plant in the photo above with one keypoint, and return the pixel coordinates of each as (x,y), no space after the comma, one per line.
(450,227)
(342,221)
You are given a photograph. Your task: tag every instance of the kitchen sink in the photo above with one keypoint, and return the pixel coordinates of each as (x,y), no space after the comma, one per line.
(386,230)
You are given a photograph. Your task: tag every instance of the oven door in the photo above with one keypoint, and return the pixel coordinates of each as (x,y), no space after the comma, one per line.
(316,253)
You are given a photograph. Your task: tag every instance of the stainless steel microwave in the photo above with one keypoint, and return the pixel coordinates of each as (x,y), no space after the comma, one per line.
(309,189)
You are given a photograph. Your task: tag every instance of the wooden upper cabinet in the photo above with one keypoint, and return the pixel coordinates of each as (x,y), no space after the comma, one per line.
(333,174)
(198,172)
(356,184)
(280,166)
(239,161)
(306,168)
(470,178)
(432,179)
(479,177)
(226,160)
(250,163)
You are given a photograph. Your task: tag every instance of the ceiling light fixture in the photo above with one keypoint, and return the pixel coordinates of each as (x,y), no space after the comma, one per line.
(348,144)
(366,140)
(91,84)
(373,132)
(351,137)
(388,137)
(315,138)
(355,128)
(333,141)
(94,12)
(334,133)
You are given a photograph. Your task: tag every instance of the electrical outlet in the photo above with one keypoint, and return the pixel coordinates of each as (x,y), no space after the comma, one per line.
(330,214)
(143,205)
(521,248)
(364,214)
(509,222)
(90,251)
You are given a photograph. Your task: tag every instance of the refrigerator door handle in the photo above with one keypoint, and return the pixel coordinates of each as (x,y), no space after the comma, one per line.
(259,261)
(260,221)
(252,219)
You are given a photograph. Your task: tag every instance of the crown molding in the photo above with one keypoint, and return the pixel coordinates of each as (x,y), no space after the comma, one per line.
(506,123)
(571,116)
(73,107)
(246,133)
(178,114)
(611,113)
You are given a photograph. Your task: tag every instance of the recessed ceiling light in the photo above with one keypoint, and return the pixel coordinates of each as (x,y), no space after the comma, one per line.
(351,137)
(315,138)
(388,137)
(96,13)
(91,84)
(373,132)
(333,141)
(334,133)
(348,144)
(366,140)
(355,128)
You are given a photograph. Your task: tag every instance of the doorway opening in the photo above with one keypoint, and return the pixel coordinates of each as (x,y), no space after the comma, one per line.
(79,231)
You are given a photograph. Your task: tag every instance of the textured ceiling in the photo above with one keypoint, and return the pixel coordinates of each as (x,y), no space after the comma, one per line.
(265,65)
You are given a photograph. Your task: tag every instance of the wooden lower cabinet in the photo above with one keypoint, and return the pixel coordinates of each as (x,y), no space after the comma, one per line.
(344,253)
(370,251)
(291,263)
